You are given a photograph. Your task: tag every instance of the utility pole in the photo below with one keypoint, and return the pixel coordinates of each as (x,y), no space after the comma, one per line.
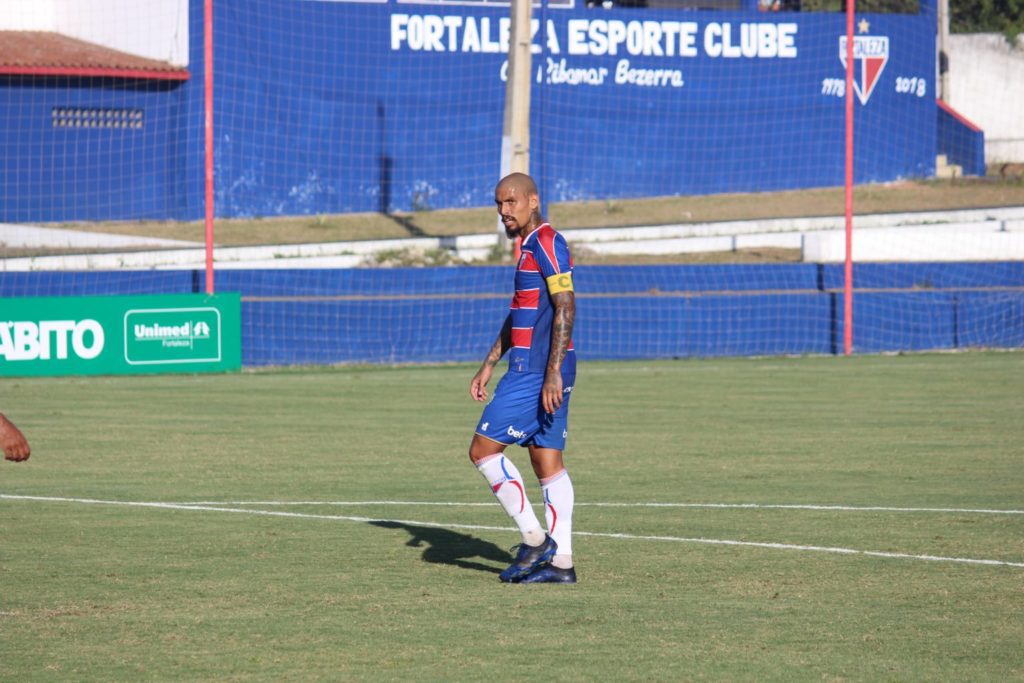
(943,46)
(515,138)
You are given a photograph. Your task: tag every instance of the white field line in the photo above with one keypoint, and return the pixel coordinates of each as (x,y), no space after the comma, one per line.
(480,527)
(726,506)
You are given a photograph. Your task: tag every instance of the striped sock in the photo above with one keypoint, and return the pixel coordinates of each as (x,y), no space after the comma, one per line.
(559,499)
(508,487)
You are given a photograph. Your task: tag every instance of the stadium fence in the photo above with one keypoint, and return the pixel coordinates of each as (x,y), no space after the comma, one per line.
(385,106)
(436,315)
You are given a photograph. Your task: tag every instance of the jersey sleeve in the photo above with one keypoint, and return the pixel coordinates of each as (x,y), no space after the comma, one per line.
(555,263)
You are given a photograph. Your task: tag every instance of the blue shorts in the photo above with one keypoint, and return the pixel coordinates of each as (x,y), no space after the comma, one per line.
(516,413)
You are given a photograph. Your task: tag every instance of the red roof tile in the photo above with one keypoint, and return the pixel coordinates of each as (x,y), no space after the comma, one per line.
(40,53)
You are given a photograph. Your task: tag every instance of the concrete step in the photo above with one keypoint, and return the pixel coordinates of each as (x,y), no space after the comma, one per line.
(816,237)
(944,169)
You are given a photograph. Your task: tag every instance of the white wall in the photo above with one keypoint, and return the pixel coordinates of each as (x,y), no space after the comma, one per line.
(157,29)
(986,83)
(27,15)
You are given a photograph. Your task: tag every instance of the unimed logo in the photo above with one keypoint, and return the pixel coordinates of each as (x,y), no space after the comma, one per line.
(26,340)
(182,335)
(172,335)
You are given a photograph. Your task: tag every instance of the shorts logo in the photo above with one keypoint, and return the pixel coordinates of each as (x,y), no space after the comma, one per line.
(870,55)
(515,433)
(484,426)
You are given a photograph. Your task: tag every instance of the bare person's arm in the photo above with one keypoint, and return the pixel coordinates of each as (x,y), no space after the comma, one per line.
(12,441)
(561,334)
(478,387)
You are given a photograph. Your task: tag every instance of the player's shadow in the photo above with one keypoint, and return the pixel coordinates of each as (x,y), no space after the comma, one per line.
(443,546)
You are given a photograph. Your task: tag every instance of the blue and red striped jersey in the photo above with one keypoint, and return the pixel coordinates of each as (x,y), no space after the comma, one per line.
(544,268)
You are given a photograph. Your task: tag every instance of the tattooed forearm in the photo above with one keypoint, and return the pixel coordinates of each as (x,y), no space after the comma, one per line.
(561,329)
(501,344)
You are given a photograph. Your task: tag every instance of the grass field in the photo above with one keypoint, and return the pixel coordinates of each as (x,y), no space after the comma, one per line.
(221,527)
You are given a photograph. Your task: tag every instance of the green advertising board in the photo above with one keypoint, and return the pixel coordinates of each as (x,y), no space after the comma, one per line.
(116,335)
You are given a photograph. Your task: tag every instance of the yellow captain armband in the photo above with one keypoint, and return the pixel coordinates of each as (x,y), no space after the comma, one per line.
(560,282)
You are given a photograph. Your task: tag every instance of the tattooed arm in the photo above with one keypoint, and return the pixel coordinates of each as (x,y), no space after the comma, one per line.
(561,334)
(478,387)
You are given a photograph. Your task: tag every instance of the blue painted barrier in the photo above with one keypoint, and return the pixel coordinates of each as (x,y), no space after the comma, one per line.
(961,141)
(426,315)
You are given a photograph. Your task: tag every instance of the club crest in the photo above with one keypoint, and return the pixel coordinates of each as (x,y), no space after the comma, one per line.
(870,55)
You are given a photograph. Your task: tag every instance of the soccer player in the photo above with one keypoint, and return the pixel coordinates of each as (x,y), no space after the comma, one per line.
(531,402)
(13,442)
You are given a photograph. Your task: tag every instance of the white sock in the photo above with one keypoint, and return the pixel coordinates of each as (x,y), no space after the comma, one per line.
(508,487)
(559,499)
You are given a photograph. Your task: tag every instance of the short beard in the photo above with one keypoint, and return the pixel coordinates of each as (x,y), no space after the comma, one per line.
(534,221)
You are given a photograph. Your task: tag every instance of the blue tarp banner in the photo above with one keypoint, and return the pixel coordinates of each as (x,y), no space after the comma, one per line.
(327,107)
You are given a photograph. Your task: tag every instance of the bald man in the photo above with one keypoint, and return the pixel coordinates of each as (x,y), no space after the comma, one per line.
(530,407)
(13,442)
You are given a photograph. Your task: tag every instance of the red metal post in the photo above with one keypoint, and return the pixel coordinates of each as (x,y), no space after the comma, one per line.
(848,270)
(208,134)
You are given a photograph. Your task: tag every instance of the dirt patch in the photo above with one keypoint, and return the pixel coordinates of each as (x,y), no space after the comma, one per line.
(992,191)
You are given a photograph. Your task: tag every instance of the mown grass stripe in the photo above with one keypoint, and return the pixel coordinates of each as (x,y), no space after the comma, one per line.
(480,527)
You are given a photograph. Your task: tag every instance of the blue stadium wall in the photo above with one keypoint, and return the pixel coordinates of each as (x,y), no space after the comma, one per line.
(50,171)
(624,312)
(326,107)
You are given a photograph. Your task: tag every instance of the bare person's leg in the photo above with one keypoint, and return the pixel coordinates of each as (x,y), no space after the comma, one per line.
(507,485)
